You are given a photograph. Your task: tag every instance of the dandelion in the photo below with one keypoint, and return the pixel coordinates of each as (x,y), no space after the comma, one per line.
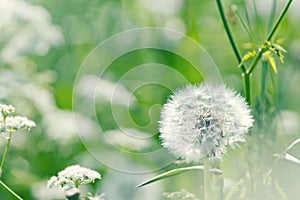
(203,120)
(72,177)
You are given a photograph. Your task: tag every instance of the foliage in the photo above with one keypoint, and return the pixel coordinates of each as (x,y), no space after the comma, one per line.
(44,43)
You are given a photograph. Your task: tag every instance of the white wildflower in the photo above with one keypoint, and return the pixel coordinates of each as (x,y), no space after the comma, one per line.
(203,120)
(6,109)
(72,177)
(26,29)
(18,123)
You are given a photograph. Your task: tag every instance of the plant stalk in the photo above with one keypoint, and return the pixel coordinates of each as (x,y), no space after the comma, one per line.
(247,87)
(10,190)
(269,37)
(230,36)
(207,180)
(5,153)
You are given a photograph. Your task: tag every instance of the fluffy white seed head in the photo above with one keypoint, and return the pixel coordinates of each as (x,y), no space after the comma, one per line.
(203,120)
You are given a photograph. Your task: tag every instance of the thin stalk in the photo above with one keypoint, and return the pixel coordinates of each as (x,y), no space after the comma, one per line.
(220,182)
(270,35)
(255,61)
(10,190)
(229,34)
(264,74)
(282,14)
(272,15)
(247,87)
(5,153)
(244,26)
(257,18)
(207,180)
(248,20)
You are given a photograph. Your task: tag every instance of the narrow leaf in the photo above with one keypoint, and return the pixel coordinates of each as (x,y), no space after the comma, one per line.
(272,63)
(280,48)
(176,172)
(293,144)
(291,158)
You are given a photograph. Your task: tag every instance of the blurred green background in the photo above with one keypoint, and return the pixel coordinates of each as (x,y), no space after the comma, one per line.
(44,43)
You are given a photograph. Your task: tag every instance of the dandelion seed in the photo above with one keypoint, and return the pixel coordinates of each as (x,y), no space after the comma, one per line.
(72,177)
(203,120)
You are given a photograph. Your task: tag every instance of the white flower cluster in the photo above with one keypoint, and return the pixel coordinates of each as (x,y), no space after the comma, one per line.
(18,123)
(203,120)
(26,28)
(13,123)
(6,109)
(72,177)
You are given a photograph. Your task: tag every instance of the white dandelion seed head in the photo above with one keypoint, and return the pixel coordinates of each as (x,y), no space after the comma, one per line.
(72,176)
(203,120)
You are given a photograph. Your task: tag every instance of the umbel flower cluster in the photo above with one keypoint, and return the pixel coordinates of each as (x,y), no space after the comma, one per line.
(201,121)
(73,176)
(12,123)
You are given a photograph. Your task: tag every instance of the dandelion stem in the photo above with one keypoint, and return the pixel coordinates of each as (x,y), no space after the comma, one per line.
(207,180)
(10,190)
(269,37)
(5,153)
(220,183)
(229,34)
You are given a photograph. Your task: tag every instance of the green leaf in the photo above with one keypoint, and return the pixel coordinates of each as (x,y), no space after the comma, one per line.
(176,172)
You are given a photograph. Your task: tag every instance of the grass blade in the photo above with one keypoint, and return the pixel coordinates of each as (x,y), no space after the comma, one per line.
(293,144)
(176,172)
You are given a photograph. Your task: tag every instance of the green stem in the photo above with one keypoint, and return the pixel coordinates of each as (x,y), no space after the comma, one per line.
(207,180)
(272,15)
(229,34)
(264,73)
(5,153)
(220,182)
(244,26)
(282,14)
(9,190)
(269,37)
(247,87)
(255,61)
